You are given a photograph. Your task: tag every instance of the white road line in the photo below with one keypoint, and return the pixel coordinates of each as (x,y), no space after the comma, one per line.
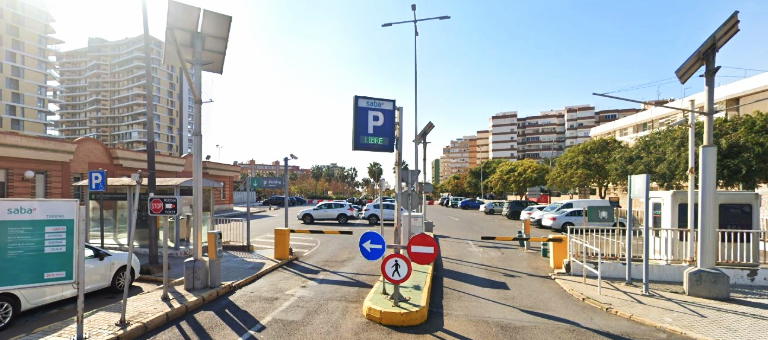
(477,250)
(303,244)
(453,218)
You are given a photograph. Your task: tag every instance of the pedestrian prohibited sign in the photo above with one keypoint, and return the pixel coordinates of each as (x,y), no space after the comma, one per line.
(422,249)
(396,268)
(163,205)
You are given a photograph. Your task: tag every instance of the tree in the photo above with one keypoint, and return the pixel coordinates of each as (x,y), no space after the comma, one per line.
(316,171)
(404,167)
(366,183)
(375,172)
(529,173)
(474,174)
(586,165)
(742,150)
(328,175)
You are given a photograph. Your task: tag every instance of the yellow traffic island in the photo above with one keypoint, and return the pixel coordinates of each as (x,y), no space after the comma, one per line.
(379,308)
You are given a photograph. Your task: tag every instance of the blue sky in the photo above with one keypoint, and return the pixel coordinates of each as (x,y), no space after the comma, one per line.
(292,67)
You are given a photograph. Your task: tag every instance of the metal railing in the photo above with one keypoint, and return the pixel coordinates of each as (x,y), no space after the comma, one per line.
(233,230)
(735,247)
(584,246)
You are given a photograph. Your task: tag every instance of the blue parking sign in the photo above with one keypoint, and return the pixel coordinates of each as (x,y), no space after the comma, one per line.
(373,124)
(372,245)
(97,180)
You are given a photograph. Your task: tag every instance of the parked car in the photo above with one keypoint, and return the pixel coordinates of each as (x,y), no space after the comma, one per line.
(564,218)
(512,209)
(372,212)
(292,201)
(328,211)
(442,200)
(470,203)
(455,201)
(104,269)
(492,207)
(275,200)
(568,204)
(385,198)
(526,213)
(300,200)
(536,215)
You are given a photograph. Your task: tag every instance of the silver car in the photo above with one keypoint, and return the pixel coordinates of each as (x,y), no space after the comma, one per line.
(493,207)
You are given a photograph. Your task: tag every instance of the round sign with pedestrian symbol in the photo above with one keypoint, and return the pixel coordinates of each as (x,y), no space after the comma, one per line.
(396,268)
(156,206)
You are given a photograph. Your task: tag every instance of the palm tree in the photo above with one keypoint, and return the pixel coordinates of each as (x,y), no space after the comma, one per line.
(351,177)
(341,178)
(366,183)
(405,167)
(316,171)
(328,175)
(375,172)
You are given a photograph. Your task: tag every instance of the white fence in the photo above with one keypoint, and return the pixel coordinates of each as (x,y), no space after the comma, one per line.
(735,247)
(241,196)
(233,230)
(584,246)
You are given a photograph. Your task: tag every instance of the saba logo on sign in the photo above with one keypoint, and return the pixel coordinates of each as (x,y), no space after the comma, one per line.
(21,211)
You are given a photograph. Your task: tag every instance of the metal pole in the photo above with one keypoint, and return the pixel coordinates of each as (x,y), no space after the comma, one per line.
(424,194)
(381,227)
(398,183)
(128,266)
(101,214)
(646,235)
(415,100)
(165,256)
(707,245)
(248,211)
(629,232)
(285,184)
(691,178)
(150,132)
(482,194)
(197,154)
(80,319)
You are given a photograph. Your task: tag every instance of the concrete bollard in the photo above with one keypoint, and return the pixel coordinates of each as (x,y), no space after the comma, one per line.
(544,249)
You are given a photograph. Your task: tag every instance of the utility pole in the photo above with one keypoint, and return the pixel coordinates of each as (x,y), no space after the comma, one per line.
(151,179)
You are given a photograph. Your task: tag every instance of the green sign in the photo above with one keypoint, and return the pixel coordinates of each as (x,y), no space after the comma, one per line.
(37,242)
(266,183)
(600,214)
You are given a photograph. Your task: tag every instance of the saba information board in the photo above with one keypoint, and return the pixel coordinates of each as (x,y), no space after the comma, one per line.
(37,242)
(373,124)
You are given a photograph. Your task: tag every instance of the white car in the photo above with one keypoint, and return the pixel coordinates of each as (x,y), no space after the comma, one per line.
(385,198)
(492,207)
(526,213)
(372,211)
(565,218)
(536,215)
(103,268)
(328,211)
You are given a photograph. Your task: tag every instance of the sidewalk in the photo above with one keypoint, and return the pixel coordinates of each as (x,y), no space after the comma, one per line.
(238,210)
(146,311)
(667,307)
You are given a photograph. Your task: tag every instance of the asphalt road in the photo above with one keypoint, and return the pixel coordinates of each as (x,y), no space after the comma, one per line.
(482,290)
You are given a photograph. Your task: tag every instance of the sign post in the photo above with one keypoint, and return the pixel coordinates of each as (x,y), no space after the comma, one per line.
(164,206)
(137,177)
(639,189)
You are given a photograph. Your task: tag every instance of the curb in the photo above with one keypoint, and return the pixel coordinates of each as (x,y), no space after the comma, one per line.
(639,319)
(147,278)
(409,317)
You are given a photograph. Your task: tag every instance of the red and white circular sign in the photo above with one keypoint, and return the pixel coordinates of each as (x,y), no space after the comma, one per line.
(422,249)
(396,268)
(156,206)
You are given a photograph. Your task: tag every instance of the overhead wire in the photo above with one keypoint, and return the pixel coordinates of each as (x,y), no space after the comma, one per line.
(645,85)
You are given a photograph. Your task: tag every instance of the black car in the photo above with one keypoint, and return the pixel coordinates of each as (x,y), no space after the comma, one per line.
(292,201)
(275,200)
(300,200)
(512,209)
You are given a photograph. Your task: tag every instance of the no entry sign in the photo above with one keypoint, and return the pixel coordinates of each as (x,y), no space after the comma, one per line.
(163,205)
(422,249)
(396,268)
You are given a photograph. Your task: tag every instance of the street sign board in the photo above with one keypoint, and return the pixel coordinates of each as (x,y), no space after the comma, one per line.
(37,242)
(422,249)
(600,214)
(426,188)
(97,180)
(266,183)
(639,186)
(373,127)
(372,245)
(396,268)
(163,205)
(410,200)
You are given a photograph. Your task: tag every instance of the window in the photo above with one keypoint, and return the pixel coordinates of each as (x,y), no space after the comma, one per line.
(172,121)
(156,99)
(42,116)
(3,181)
(17,125)
(169,130)
(77,191)
(12,84)
(17,98)
(41,102)
(682,216)
(17,45)
(12,30)
(40,185)
(41,91)
(170,94)
(735,216)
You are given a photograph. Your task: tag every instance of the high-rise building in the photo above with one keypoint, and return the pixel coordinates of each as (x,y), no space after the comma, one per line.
(187,113)
(503,135)
(483,145)
(105,95)
(543,136)
(27,90)
(455,159)
(436,171)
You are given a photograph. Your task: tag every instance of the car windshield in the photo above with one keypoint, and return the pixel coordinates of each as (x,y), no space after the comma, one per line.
(552,207)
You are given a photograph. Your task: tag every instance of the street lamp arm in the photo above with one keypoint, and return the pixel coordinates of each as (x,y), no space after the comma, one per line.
(389,24)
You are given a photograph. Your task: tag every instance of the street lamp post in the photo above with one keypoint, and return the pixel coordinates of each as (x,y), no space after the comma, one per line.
(482,195)
(285,184)
(415,76)
(219,147)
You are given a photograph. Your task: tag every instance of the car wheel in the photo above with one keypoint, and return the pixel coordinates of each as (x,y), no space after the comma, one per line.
(8,310)
(564,226)
(308,219)
(516,215)
(373,219)
(621,225)
(118,280)
(491,212)
(464,207)
(343,219)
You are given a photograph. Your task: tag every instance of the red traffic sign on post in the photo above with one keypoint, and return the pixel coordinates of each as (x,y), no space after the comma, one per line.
(163,205)
(396,268)
(422,249)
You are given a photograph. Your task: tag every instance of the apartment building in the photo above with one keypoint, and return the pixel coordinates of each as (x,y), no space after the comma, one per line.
(187,113)
(275,167)
(734,99)
(483,145)
(436,171)
(543,136)
(455,159)
(503,139)
(27,89)
(105,95)
(578,121)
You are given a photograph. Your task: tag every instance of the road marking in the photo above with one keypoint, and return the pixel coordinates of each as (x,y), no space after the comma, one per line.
(453,218)
(296,292)
(422,249)
(477,250)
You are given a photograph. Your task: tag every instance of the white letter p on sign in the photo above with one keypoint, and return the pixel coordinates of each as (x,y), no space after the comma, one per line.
(97,178)
(374,122)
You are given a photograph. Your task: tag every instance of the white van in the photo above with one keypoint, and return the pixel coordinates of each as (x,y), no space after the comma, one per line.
(555,207)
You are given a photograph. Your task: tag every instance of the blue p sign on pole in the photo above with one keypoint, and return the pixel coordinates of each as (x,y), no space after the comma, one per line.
(97,180)
(374,124)
(372,245)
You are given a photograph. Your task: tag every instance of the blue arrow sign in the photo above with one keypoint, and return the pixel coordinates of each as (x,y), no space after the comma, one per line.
(372,245)
(97,180)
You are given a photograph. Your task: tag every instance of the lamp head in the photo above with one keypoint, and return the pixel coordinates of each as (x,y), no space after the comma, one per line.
(294,157)
(444,17)
(413,7)
(387,25)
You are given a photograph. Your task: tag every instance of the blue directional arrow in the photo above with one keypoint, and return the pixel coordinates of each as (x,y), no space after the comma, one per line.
(372,245)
